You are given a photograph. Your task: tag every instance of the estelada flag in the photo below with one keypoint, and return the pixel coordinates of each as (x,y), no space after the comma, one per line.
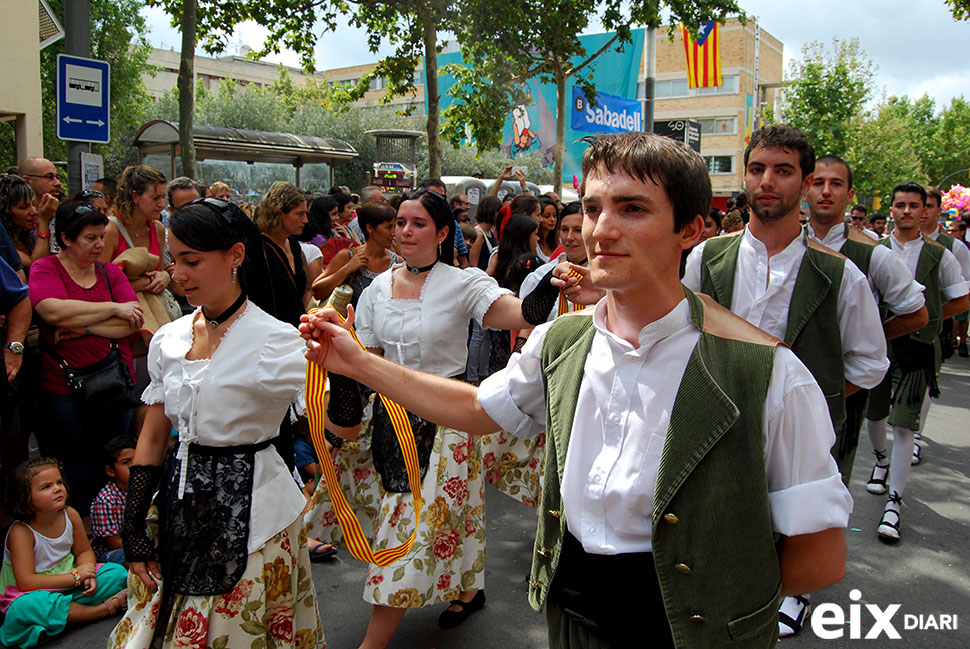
(703,56)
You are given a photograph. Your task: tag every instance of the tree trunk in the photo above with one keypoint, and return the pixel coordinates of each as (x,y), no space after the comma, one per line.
(431,87)
(560,150)
(186,86)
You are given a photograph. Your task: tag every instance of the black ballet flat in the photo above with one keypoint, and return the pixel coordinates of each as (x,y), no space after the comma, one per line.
(450,619)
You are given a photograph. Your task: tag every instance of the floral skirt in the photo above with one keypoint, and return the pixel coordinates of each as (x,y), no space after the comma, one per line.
(515,466)
(448,555)
(273,605)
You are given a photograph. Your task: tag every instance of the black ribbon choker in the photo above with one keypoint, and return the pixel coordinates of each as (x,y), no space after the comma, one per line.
(225,315)
(422,269)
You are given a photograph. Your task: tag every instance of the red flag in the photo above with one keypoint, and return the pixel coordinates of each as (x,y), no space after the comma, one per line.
(703,56)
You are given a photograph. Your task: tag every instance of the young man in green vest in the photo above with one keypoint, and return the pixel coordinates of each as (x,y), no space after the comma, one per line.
(662,522)
(899,399)
(891,282)
(930,228)
(779,279)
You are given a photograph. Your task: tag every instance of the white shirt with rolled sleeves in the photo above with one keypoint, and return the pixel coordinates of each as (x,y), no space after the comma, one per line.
(763,290)
(961,252)
(951,279)
(889,279)
(621,422)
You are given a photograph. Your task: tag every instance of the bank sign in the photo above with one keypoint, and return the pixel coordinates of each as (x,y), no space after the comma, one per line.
(611,114)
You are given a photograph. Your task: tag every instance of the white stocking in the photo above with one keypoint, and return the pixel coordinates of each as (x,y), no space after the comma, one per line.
(901,459)
(877,434)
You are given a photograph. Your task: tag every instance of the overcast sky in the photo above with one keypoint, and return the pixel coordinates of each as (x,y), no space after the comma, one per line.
(917,46)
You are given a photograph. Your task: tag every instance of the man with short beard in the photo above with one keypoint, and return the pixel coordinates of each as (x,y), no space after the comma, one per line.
(779,279)
(877,224)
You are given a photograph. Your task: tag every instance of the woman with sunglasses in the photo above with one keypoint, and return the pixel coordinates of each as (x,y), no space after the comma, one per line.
(28,229)
(228,565)
(86,308)
(417,314)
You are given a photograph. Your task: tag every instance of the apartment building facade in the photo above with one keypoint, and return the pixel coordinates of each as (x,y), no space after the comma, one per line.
(725,113)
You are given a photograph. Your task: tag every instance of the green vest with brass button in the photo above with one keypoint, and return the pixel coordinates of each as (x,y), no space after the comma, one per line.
(812,330)
(928,274)
(713,541)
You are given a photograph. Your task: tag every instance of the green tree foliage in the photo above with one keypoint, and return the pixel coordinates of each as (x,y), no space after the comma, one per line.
(118,36)
(540,40)
(952,144)
(883,153)
(960,9)
(410,27)
(827,92)
(309,110)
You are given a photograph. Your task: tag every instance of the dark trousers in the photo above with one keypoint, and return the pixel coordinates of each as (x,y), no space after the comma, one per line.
(598,601)
(847,442)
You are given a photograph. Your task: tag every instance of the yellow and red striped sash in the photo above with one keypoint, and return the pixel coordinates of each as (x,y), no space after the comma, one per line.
(565,306)
(357,543)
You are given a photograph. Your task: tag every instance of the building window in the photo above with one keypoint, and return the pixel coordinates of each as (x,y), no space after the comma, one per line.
(671,88)
(377,83)
(719,126)
(720,164)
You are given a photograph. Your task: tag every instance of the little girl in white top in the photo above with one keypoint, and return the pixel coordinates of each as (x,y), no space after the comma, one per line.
(49,576)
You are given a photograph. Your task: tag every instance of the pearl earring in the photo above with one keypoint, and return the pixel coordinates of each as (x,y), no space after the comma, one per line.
(235,273)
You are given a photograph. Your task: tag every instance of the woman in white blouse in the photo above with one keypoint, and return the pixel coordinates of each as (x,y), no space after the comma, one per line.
(417,314)
(229,524)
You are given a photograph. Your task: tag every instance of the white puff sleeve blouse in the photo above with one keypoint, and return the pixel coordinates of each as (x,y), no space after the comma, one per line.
(430,333)
(239,396)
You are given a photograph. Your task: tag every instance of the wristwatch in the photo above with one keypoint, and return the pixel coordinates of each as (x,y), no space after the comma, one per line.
(15,347)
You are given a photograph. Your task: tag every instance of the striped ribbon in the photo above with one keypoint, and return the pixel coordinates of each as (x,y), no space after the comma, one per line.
(357,543)
(565,306)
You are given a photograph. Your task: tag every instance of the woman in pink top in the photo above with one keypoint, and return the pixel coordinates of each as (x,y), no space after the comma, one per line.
(85,306)
(141,199)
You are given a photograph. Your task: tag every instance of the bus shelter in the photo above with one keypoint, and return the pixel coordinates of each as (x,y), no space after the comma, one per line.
(248,161)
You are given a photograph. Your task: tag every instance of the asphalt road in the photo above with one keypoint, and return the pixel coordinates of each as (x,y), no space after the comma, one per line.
(926,573)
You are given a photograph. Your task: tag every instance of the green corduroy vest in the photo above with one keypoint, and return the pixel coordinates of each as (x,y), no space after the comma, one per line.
(713,543)
(858,248)
(812,331)
(946,240)
(928,274)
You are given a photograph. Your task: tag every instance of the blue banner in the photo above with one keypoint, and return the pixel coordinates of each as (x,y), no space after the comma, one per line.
(532,126)
(612,114)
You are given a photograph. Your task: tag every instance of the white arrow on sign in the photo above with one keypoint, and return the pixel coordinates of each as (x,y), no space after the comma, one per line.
(71,120)
(91,121)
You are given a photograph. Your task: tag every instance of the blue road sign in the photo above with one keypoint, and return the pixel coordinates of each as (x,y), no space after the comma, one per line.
(83,99)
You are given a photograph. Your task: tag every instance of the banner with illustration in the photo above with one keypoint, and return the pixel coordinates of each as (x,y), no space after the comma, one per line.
(532,126)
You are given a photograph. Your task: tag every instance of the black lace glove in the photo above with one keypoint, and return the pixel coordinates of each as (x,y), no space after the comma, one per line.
(143,480)
(333,440)
(345,407)
(519,344)
(537,304)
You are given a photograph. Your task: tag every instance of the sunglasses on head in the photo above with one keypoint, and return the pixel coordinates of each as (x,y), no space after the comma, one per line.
(88,194)
(217,205)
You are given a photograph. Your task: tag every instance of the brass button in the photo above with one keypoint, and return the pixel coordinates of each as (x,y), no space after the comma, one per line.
(553,512)
(545,554)
(697,619)
(671,518)
(682,568)
(536,584)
